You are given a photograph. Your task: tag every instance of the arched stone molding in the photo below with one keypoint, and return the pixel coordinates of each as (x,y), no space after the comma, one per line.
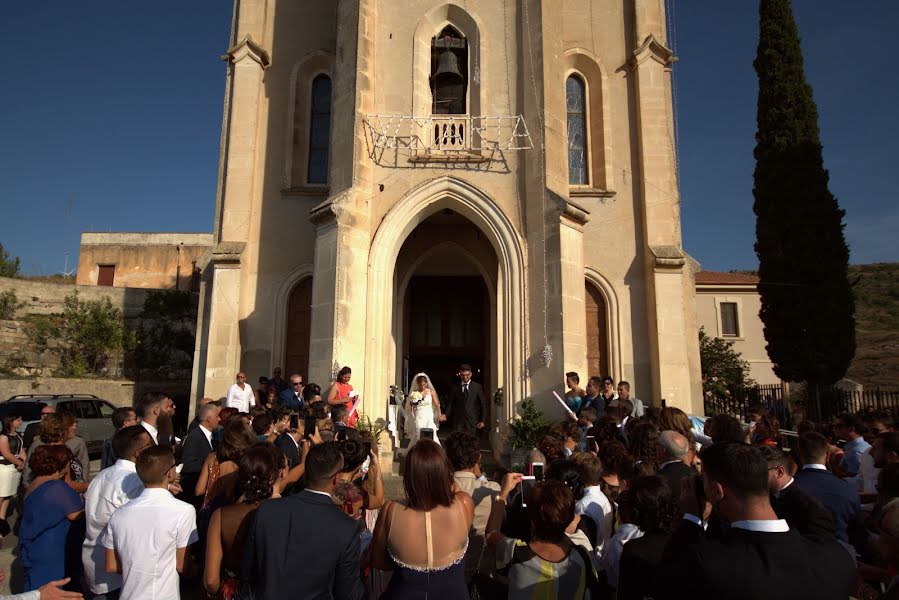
(489,282)
(294,277)
(599,118)
(296,136)
(421,202)
(605,288)
(431,24)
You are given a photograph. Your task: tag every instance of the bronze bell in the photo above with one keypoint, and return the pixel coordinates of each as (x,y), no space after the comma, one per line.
(448,65)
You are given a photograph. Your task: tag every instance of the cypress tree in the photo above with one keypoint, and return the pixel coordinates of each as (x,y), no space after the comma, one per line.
(807,304)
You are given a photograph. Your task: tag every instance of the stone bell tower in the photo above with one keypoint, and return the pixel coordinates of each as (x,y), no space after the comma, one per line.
(411,184)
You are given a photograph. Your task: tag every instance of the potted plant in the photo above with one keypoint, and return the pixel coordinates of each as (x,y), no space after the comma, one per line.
(526,431)
(375,428)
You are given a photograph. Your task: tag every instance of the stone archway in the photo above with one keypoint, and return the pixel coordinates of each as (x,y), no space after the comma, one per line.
(382,367)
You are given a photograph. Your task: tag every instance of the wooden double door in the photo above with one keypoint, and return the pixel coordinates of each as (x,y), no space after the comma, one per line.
(446,324)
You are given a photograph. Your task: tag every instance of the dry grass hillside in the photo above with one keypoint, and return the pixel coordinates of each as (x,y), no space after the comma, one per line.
(876,361)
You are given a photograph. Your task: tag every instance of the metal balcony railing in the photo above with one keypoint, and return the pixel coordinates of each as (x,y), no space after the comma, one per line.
(447,134)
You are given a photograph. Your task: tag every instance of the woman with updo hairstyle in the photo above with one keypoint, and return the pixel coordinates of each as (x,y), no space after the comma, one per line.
(654,510)
(361,486)
(423,538)
(260,468)
(46,550)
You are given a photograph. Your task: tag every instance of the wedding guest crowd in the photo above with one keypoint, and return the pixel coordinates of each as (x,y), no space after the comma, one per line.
(280,494)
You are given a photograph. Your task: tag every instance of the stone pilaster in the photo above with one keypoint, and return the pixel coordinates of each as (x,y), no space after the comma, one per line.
(218,332)
(343,237)
(669,300)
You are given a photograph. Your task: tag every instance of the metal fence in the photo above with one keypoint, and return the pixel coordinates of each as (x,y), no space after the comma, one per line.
(830,403)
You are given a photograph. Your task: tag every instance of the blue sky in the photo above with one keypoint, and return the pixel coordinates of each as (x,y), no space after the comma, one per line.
(110,114)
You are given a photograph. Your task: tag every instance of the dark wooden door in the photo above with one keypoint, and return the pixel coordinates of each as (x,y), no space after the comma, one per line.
(448,324)
(597,333)
(299,318)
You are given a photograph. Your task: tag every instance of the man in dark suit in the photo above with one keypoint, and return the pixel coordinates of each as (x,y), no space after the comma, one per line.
(801,512)
(837,495)
(304,546)
(760,556)
(289,443)
(197,446)
(467,406)
(291,397)
(673,449)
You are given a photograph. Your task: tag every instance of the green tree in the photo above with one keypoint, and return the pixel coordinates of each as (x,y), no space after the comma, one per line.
(807,303)
(9,266)
(86,334)
(723,368)
(9,304)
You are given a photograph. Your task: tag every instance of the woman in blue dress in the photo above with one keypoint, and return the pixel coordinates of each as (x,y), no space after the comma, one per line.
(423,539)
(50,507)
(575,394)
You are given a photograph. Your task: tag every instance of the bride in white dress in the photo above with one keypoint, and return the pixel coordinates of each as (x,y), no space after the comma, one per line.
(422,409)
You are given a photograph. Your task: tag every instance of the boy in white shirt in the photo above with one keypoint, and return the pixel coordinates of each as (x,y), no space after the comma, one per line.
(146,539)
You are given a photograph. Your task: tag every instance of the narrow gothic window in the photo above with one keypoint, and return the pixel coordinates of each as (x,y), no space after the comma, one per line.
(576,101)
(449,72)
(319,130)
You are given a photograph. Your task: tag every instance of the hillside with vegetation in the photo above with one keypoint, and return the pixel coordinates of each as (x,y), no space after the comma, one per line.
(876,362)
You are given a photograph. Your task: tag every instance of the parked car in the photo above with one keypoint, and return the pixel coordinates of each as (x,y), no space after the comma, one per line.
(94,415)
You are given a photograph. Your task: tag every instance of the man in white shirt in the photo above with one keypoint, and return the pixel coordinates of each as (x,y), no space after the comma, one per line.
(111,489)
(240,395)
(624,393)
(146,540)
(594,503)
(156,411)
(463,451)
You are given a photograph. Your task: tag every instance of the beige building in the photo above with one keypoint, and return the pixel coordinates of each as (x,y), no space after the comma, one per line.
(410,184)
(142,260)
(727,307)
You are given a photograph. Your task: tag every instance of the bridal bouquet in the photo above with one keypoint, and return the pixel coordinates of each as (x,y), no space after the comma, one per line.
(415,398)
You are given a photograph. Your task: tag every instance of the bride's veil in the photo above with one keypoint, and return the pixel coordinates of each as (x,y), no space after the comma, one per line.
(413,385)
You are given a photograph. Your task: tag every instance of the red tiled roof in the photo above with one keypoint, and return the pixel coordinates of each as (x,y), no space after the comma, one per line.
(715,278)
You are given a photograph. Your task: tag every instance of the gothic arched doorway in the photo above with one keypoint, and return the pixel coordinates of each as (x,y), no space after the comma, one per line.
(597,332)
(299,319)
(446,307)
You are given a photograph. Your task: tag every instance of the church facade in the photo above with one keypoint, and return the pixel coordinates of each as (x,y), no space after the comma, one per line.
(408,185)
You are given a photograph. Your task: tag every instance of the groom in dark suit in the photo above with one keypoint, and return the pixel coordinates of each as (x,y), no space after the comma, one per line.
(467,406)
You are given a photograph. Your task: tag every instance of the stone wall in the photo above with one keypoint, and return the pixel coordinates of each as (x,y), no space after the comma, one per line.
(46,298)
(31,367)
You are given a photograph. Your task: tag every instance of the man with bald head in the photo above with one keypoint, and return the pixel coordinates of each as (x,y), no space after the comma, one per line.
(673,449)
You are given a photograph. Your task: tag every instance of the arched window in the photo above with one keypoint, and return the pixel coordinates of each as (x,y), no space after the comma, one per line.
(319,130)
(449,72)
(576,105)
